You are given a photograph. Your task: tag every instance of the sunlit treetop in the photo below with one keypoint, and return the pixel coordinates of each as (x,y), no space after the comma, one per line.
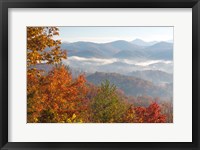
(42,47)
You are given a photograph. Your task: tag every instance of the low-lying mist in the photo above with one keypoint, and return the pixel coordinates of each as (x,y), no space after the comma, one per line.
(117,65)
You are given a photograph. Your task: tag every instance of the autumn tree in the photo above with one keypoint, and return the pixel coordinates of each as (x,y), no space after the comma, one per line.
(42,47)
(58,99)
(106,106)
(54,96)
(151,114)
(39,39)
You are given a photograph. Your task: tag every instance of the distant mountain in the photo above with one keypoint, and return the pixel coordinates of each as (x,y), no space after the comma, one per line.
(124,45)
(127,50)
(121,49)
(161,46)
(155,76)
(87,54)
(118,49)
(131,85)
(85,49)
(161,50)
(163,67)
(140,42)
(89,49)
(130,54)
(117,67)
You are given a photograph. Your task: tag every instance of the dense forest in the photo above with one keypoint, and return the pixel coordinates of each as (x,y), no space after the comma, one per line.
(56,96)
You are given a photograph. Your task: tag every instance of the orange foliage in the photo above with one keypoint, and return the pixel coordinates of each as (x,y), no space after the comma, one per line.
(151,114)
(56,97)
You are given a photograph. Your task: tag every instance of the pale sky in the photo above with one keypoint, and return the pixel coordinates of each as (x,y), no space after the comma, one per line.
(108,34)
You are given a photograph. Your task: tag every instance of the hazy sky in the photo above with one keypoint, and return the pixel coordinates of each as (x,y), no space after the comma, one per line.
(108,34)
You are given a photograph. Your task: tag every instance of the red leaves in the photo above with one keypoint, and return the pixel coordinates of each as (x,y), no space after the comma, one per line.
(151,114)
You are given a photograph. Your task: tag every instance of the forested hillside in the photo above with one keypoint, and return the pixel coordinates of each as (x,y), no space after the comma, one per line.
(56,94)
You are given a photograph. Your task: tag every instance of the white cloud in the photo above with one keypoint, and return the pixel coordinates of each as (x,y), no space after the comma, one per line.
(146,63)
(92,60)
(101,61)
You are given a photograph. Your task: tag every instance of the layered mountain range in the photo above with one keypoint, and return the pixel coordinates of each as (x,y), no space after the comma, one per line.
(136,49)
(136,67)
(120,56)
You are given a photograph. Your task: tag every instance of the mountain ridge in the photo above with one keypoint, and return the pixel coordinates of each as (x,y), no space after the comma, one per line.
(132,86)
(119,49)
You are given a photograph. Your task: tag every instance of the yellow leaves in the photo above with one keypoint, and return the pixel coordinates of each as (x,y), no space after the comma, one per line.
(69,120)
(73,117)
(35,120)
(39,39)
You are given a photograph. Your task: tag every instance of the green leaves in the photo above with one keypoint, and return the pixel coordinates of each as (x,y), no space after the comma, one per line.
(107,106)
